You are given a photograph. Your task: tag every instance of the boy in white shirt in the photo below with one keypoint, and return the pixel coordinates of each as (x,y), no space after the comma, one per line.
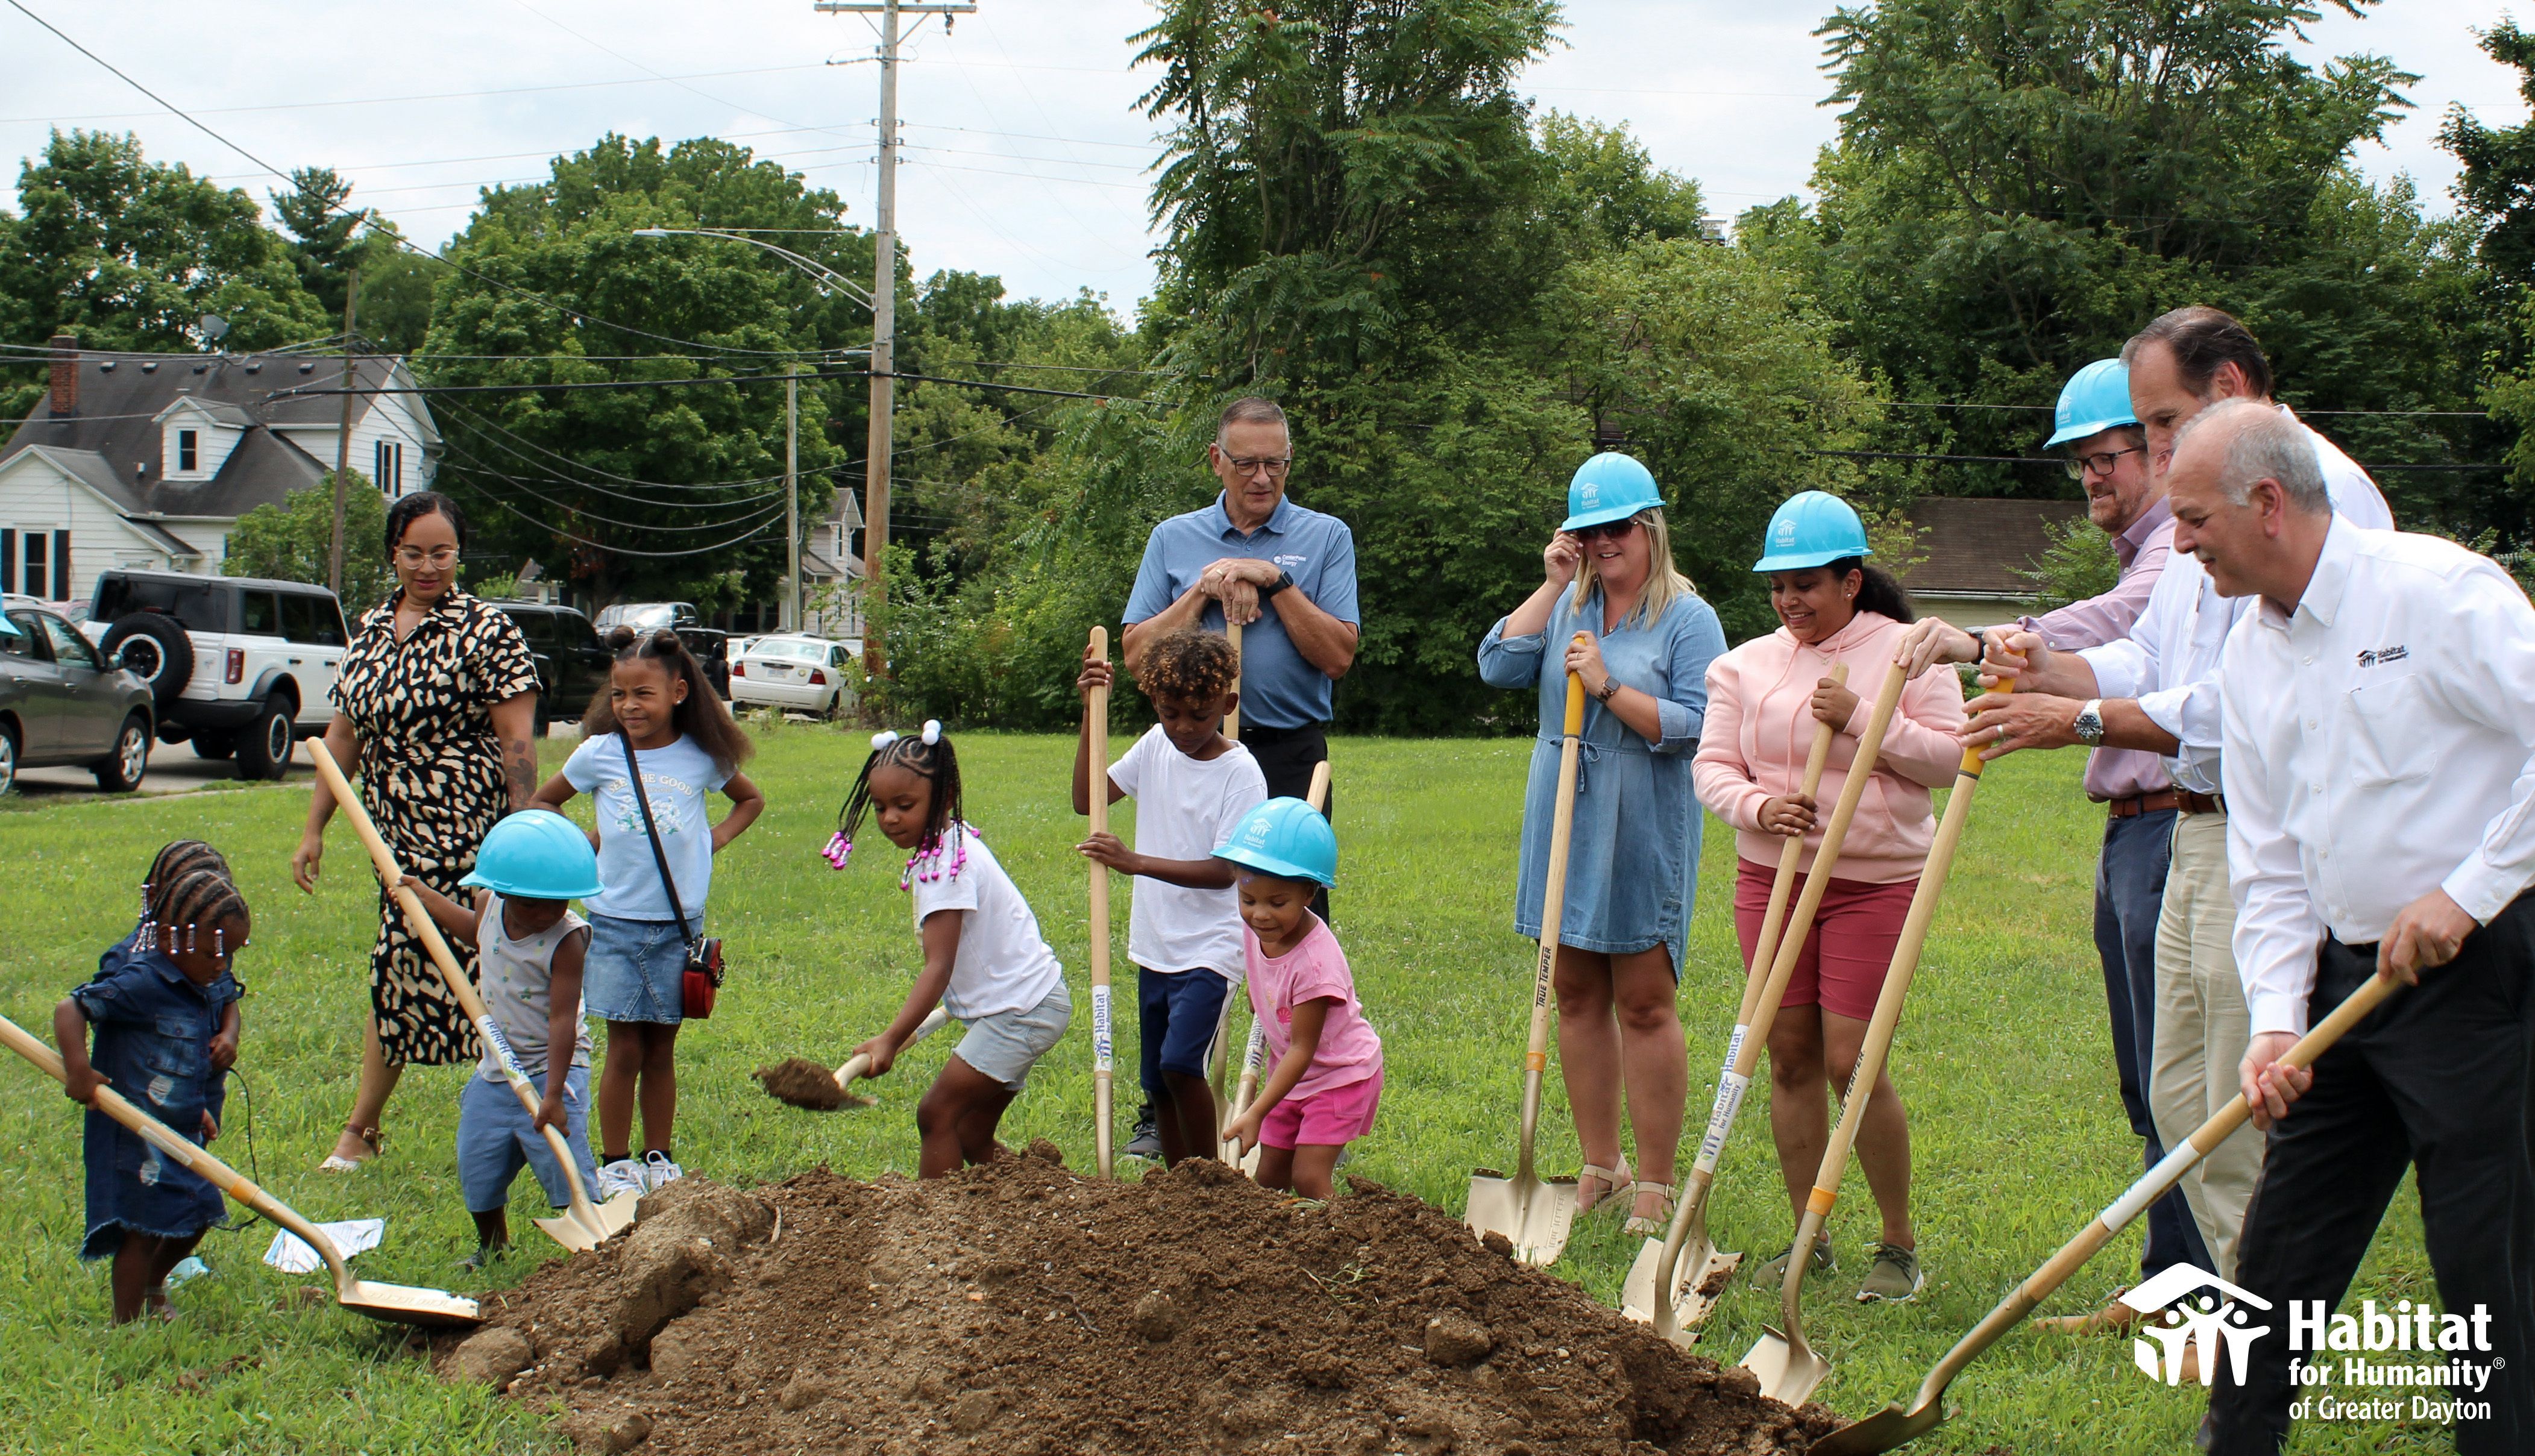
(1191,785)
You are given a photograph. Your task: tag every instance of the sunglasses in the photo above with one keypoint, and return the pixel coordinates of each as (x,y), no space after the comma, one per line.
(1611,530)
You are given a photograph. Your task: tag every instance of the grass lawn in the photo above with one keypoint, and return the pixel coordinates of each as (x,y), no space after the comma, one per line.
(2002,1057)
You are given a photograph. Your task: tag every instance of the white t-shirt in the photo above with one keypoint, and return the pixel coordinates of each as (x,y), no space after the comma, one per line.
(1003,963)
(675,780)
(1186,810)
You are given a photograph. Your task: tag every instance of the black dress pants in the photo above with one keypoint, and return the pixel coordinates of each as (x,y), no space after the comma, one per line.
(2435,1080)
(1286,758)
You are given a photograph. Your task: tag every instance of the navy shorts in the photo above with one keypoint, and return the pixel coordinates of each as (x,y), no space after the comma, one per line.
(1176,1015)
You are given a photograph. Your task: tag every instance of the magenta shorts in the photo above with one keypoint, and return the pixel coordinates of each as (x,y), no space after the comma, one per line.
(1330,1118)
(1851,944)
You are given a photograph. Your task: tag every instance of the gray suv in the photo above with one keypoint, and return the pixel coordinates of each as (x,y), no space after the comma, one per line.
(62,703)
(241,665)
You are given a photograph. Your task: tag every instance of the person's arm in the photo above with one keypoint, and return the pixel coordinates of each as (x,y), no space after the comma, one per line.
(2042,720)
(458,922)
(343,742)
(941,949)
(746,802)
(2487,673)
(80,1080)
(515,726)
(1309,1018)
(1922,742)
(1137,637)
(563,1028)
(224,1041)
(1095,674)
(1207,873)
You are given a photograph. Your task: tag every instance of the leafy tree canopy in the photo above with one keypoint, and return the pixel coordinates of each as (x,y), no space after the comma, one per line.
(294,542)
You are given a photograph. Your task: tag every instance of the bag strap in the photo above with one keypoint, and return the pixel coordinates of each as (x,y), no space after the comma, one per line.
(660,856)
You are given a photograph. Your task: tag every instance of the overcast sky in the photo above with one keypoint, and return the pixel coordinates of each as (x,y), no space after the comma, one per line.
(1025,152)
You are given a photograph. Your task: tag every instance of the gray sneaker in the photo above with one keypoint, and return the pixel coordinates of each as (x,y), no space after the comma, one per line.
(1772,1275)
(1146,1140)
(1895,1279)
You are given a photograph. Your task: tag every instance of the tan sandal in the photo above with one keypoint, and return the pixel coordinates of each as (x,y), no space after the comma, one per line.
(1612,1181)
(371,1137)
(1649,1225)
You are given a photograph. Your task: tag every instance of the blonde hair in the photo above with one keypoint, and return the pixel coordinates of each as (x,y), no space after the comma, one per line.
(1664,580)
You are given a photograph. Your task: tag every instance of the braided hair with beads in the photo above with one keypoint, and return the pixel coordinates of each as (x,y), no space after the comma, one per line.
(927,755)
(178,858)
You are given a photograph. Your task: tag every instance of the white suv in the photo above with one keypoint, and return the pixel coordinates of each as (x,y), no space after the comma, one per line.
(237,664)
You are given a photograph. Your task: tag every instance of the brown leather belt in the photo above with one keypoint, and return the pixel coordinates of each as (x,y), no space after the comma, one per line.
(2139,804)
(2197,802)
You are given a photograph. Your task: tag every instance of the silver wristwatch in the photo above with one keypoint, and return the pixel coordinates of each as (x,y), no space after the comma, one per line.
(2089,726)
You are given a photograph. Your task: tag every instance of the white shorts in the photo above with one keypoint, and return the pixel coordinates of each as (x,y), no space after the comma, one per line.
(1006,1045)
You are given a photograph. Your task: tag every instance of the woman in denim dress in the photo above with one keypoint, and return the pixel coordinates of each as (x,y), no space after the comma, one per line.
(1633,863)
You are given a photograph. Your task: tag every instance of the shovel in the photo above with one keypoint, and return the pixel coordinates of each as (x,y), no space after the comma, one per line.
(398,1304)
(1788,1368)
(1232,719)
(1713,1265)
(1895,1423)
(804,1083)
(1659,1293)
(1251,1058)
(583,1225)
(1095,727)
(1536,1213)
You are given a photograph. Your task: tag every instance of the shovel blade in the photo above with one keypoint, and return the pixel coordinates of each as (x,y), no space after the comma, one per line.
(567,1231)
(1788,1370)
(616,1215)
(1703,1271)
(1885,1430)
(405,1304)
(1534,1214)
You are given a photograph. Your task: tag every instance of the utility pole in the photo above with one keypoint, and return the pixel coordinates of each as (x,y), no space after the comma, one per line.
(343,436)
(792,498)
(884,380)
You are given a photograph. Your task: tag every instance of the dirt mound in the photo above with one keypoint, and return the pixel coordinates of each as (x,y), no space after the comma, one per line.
(805,1084)
(1022,1310)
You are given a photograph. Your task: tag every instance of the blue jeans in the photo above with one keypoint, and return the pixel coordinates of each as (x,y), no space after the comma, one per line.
(2129,891)
(496,1139)
(634,971)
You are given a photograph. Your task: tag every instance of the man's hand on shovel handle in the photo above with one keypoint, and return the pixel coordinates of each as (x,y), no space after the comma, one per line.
(2269,1087)
(1933,639)
(2425,933)
(2001,724)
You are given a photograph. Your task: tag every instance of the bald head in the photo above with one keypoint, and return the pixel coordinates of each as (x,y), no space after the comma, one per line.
(2248,497)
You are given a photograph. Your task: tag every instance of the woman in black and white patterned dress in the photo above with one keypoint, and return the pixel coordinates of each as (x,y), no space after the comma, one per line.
(437,706)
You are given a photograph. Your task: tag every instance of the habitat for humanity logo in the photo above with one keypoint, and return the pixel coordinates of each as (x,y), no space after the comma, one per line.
(2189,1305)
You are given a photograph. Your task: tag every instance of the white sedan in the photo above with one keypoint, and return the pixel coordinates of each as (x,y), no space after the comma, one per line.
(798,674)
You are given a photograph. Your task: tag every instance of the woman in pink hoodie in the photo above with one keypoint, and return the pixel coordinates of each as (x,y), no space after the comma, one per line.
(1764,699)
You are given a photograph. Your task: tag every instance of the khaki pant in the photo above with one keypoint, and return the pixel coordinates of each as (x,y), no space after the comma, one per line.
(2201,1031)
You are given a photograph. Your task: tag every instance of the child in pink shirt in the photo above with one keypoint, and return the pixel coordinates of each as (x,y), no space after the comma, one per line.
(1328,1078)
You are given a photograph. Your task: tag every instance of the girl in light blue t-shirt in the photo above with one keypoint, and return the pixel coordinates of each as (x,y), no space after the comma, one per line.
(658,698)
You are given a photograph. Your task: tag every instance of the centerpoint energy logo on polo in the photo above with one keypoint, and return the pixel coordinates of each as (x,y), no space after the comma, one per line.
(2195,1306)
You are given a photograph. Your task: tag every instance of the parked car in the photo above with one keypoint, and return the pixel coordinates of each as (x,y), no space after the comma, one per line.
(647,616)
(572,666)
(62,703)
(238,665)
(798,674)
(711,646)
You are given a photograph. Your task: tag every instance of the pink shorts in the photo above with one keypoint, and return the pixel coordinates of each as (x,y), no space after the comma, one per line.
(1330,1118)
(1851,943)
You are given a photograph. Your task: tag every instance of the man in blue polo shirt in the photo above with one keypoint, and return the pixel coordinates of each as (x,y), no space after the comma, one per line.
(1285,574)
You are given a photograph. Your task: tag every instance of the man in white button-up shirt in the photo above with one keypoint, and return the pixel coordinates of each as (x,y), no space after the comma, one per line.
(2379,736)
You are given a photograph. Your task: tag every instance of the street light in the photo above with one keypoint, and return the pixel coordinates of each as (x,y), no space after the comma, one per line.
(826,279)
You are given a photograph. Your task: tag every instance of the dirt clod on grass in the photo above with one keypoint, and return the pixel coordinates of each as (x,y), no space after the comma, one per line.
(805,1084)
(1020,1309)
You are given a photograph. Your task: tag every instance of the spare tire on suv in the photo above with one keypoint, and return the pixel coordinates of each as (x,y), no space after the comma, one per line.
(156,649)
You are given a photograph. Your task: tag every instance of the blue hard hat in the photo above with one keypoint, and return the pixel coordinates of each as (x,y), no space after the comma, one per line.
(1610,487)
(1287,838)
(2095,398)
(536,854)
(1812,529)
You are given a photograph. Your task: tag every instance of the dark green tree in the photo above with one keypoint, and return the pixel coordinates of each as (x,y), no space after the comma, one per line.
(327,245)
(2497,189)
(294,542)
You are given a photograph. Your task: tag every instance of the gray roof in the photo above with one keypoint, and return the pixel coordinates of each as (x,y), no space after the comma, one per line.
(116,426)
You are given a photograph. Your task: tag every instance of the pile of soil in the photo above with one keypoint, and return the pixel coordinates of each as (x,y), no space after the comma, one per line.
(1020,1310)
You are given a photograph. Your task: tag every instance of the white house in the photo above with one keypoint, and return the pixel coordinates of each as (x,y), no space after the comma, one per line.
(149,460)
(828,559)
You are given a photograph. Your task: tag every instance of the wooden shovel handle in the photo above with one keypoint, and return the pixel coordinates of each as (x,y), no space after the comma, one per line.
(1552,917)
(1232,719)
(187,1155)
(1764,950)
(417,918)
(1096,729)
(859,1064)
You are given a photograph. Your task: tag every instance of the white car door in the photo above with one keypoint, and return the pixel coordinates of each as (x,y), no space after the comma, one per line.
(314,627)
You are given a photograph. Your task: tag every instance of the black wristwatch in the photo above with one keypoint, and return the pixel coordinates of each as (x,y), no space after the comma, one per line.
(1283,580)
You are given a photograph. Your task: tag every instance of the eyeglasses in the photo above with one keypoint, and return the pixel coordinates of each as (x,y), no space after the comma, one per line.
(1607,530)
(412,559)
(2081,467)
(1275,465)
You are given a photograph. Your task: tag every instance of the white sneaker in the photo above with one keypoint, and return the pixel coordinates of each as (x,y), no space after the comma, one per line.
(624,1176)
(658,1171)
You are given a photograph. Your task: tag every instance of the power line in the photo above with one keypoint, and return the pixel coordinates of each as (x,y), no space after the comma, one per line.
(466,96)
(312,392)
(576,509)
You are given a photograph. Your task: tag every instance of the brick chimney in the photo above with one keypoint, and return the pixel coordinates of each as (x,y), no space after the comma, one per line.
(66,355)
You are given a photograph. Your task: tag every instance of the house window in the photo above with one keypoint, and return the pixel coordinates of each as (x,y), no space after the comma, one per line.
(387,471)
(188,450)
(37,562)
